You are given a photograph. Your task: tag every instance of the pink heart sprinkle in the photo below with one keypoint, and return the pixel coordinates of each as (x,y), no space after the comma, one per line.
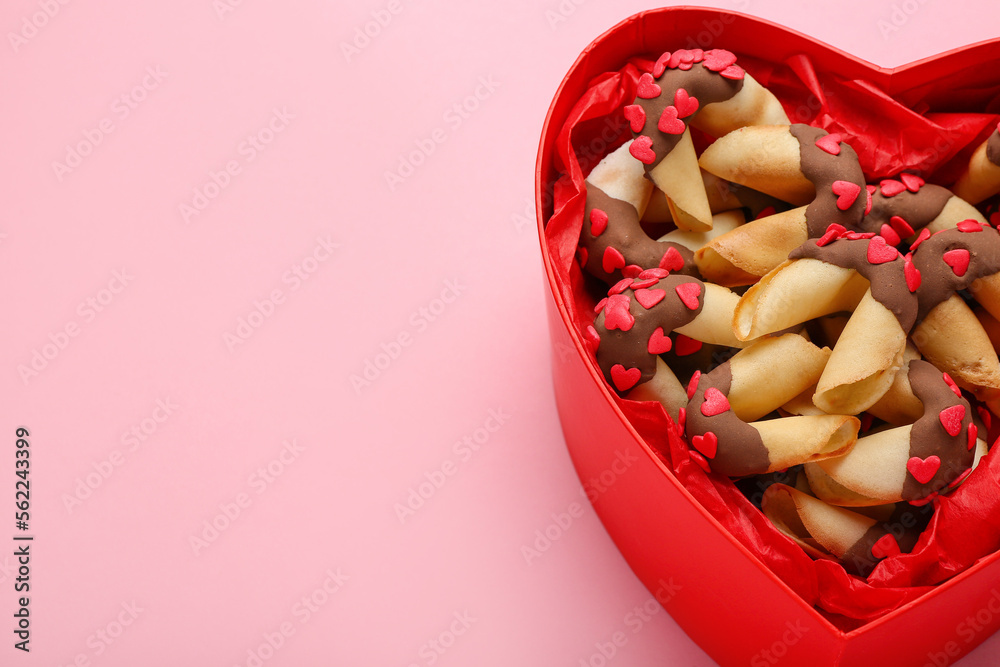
(901,226)
(830,143)
(885,546)
(656,273)
(911,273)
(600,306)
(921,237)
(636,117)
(689,293)
(700,460)
(868,201)
(592,337)
(847,193)
(671,260)
(834,231)
(985,415)
(632,271)
(669,122)
(958,260)
(715,403)
(693,384)
(951,419)
(889,234)
(642,284)
(734,72)
(658,343)
(707,444)
(642,150)
(879,252)
(969,226)
(624,379)
(661,64)
(923,470)
(598,221)
(719,59)
(620,286)
(912,182)
(973,435)
(648,298)
(647,89)
(891,188)
(613,259)
(616,313)
(951,385)
(685,104)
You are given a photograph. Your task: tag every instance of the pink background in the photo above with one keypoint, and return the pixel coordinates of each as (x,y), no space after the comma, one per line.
(435,278)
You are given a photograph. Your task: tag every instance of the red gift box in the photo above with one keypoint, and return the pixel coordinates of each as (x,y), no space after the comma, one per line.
(715,581)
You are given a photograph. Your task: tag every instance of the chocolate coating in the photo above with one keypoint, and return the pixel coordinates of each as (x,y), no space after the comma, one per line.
(741,451)
(905,524)
(888,282)
(938,280)
(626,235)
(918,209)
(993,148)
(630,348)
(927,435)
(823,169)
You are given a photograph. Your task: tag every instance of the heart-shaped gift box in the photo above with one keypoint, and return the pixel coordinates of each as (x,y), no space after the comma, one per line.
(712,568)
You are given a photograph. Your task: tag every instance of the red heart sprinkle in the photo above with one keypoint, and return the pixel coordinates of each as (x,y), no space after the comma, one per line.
(973,434)
(649,297)
(620,286)
(734,72)
(834,231)
(857,236)
(636,117)
(616,313)
(623,378)
(901,226)
(912,182)
(911,274)
(647,88)
(592,337)
(707,444)
(879,252)
(985,415)
(693,384)
(684,58)
(871,189)
(969,226)
(671,260)
(598,221)
(889,234)
(921,237)
(927,500)
(923,470)
(684,346)
(719,59)
(642,284)
(885,546)
(613,259)
(656,273)
(669,123)
(830,143)
(642,150)
(682,418)
(689,293)
(582,255)
(658,343)
(958,260)
(951,419)
(632,271)
(699,460)
(715,402)
(661,64)
(600,305)
(868,201)
(686,105)
(961,478)
(951,385)
(891,188)
(766,212)
(847,193)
